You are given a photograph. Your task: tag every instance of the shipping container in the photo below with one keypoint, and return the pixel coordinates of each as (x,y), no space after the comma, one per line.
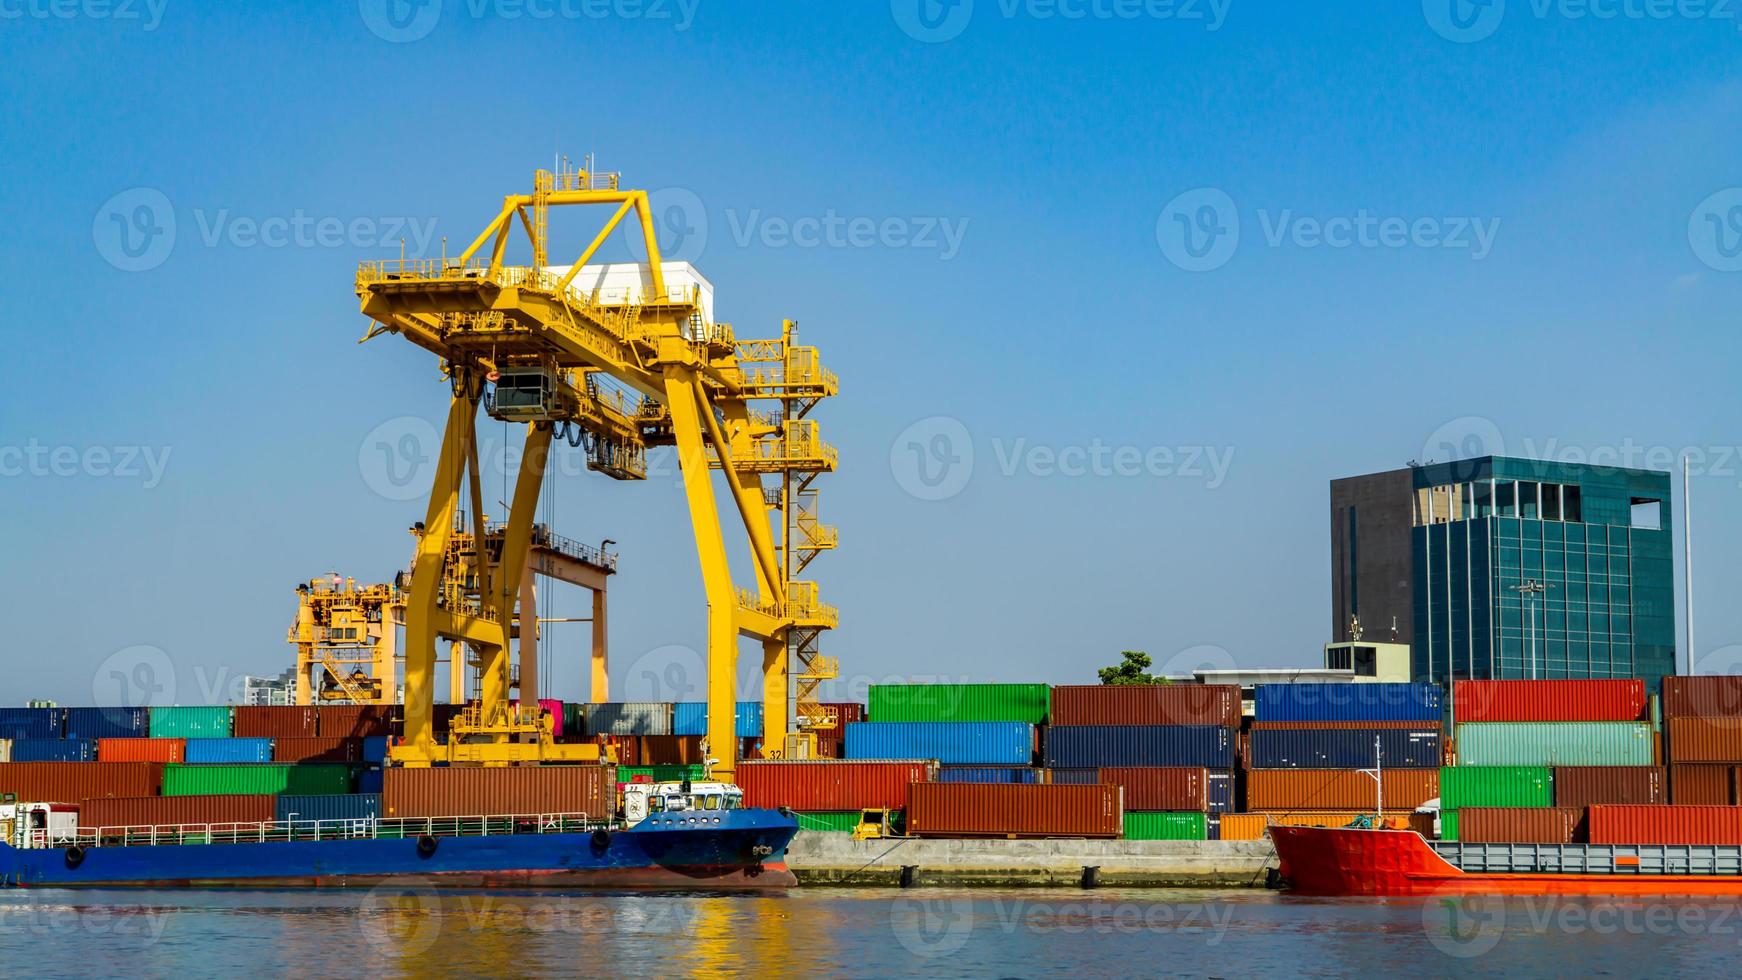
(629,718)
(1521,825)
(828,822)
(1298,726)
(5,750)
(70,782)
(829,785)
(1083,746)
(1157,788)
(1448,825)
(212,780)
(1009,743)
(1703,784)
(1581,743)
(1147,704)
(670,750)
(1695,825)
(374,749)
(1151,825)
(846,711)
(330,807)
(1590,785)
(510,791)
(193,721)
(1703,696)
(369,781)
(1317,818)
(574,720)
(1084,776)
(141,750)
(1705,739)
(18,723)
(1337,789)
(228,750)
(691,718)
(661,774)
(1396,748)
(988,774)
(959,702)
(1549,700)
(1347,702)
(1496,786)
(357,720)
(274,721)
(321,748)
(107,723)
(1243,826)
(173,811)
(994,810)
(1220,793)
(53,750)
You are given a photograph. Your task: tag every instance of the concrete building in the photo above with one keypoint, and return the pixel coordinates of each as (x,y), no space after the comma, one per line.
(1502,567)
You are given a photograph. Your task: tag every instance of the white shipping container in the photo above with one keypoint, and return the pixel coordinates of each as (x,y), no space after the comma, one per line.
(629,718)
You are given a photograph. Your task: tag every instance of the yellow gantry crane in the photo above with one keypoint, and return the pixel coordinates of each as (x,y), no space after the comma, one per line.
(348,632)
(616,359)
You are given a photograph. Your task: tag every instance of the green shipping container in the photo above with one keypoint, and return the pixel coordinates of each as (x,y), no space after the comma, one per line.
(1554,743)
(1463,786)
(194,721)
(1152,825)
(662,774)
(180,779)
(829,821)
(960,702)
(1448,825)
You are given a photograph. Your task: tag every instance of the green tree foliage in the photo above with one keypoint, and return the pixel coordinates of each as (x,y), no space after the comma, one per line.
(1134,669)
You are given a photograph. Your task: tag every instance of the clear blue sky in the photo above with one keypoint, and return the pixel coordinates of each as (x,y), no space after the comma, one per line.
(1537,254)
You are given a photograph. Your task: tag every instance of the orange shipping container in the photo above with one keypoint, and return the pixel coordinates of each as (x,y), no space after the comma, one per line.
(459,792)
(1665,825)
(1702,785)
(1338,789)
(274,721)
(1243,826)
(671,750)
(317,749)
(1316,818)
(171,811)
(1521,824)
(824,785)
(1160,787)
(1581,786)
(1693,739)
(355,720)
(1146,704)
(1014,810)
(141,749)
(1703,696)
(71,782)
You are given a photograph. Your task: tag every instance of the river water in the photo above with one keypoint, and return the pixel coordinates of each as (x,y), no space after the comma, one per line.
(854,933)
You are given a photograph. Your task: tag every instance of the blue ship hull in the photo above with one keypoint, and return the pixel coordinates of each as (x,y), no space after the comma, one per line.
(747,850)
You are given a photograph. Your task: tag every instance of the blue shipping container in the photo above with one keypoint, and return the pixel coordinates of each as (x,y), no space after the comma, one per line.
(31,723)
(54,750)
(107,722)
(347,806)
(229,750)
(1209,746)
(988,774)
(1347,702)
(375,749)
(1220,792)
(691,718)
(1008,743)
(1347,748)
(1073,777)
(369,782)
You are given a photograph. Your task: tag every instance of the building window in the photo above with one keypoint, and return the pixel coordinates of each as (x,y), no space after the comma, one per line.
(1571,510)
(1551,501)
(1647,514)
(1506,501)
(1527,500)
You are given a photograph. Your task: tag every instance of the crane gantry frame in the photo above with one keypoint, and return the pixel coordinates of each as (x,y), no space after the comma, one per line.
(682,381)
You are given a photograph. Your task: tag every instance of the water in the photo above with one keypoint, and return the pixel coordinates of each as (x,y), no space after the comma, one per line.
(854,933)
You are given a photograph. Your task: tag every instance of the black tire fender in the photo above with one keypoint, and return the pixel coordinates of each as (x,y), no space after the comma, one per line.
(426,845)
(601,839)
(75,856)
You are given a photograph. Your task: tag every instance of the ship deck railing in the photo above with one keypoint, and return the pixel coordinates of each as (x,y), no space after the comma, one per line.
(365,828)
(1592,859)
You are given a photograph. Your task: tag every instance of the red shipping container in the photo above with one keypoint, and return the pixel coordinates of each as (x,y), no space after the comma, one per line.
(1521,825)
(1697,739)
(1702,785)
(355,720)
(1336,789)
(171,811)
(1664,825)
(274,721)
(671,750)
(141,749)
(1556,700)
(821,785)
(1160,787)
(1323,726)
(1014,810)
(1146,704)
(456,791)
(1704,696)
(846,711)
(71,782)
(1579,786)
(317,749)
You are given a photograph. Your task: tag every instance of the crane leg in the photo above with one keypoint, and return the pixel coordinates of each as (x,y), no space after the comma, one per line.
(516,546)
(601,675)
(774,696)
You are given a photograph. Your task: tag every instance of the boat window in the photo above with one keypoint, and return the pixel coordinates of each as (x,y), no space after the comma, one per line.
(656,803)
(711,802)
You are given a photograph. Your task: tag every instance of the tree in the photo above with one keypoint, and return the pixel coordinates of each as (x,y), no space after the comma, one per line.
(1134,669)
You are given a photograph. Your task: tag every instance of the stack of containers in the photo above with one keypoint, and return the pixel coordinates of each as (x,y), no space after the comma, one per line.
(1703,715)
(1169,747)
(1532,756)
(1308,743)
(832,744)
(829,794)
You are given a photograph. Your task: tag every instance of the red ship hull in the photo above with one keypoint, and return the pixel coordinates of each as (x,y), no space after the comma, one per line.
(1344,862)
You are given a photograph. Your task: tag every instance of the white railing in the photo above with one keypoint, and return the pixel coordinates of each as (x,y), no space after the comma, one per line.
(368,828)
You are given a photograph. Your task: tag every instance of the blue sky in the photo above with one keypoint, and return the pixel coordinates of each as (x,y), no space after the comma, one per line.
(1009,229)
